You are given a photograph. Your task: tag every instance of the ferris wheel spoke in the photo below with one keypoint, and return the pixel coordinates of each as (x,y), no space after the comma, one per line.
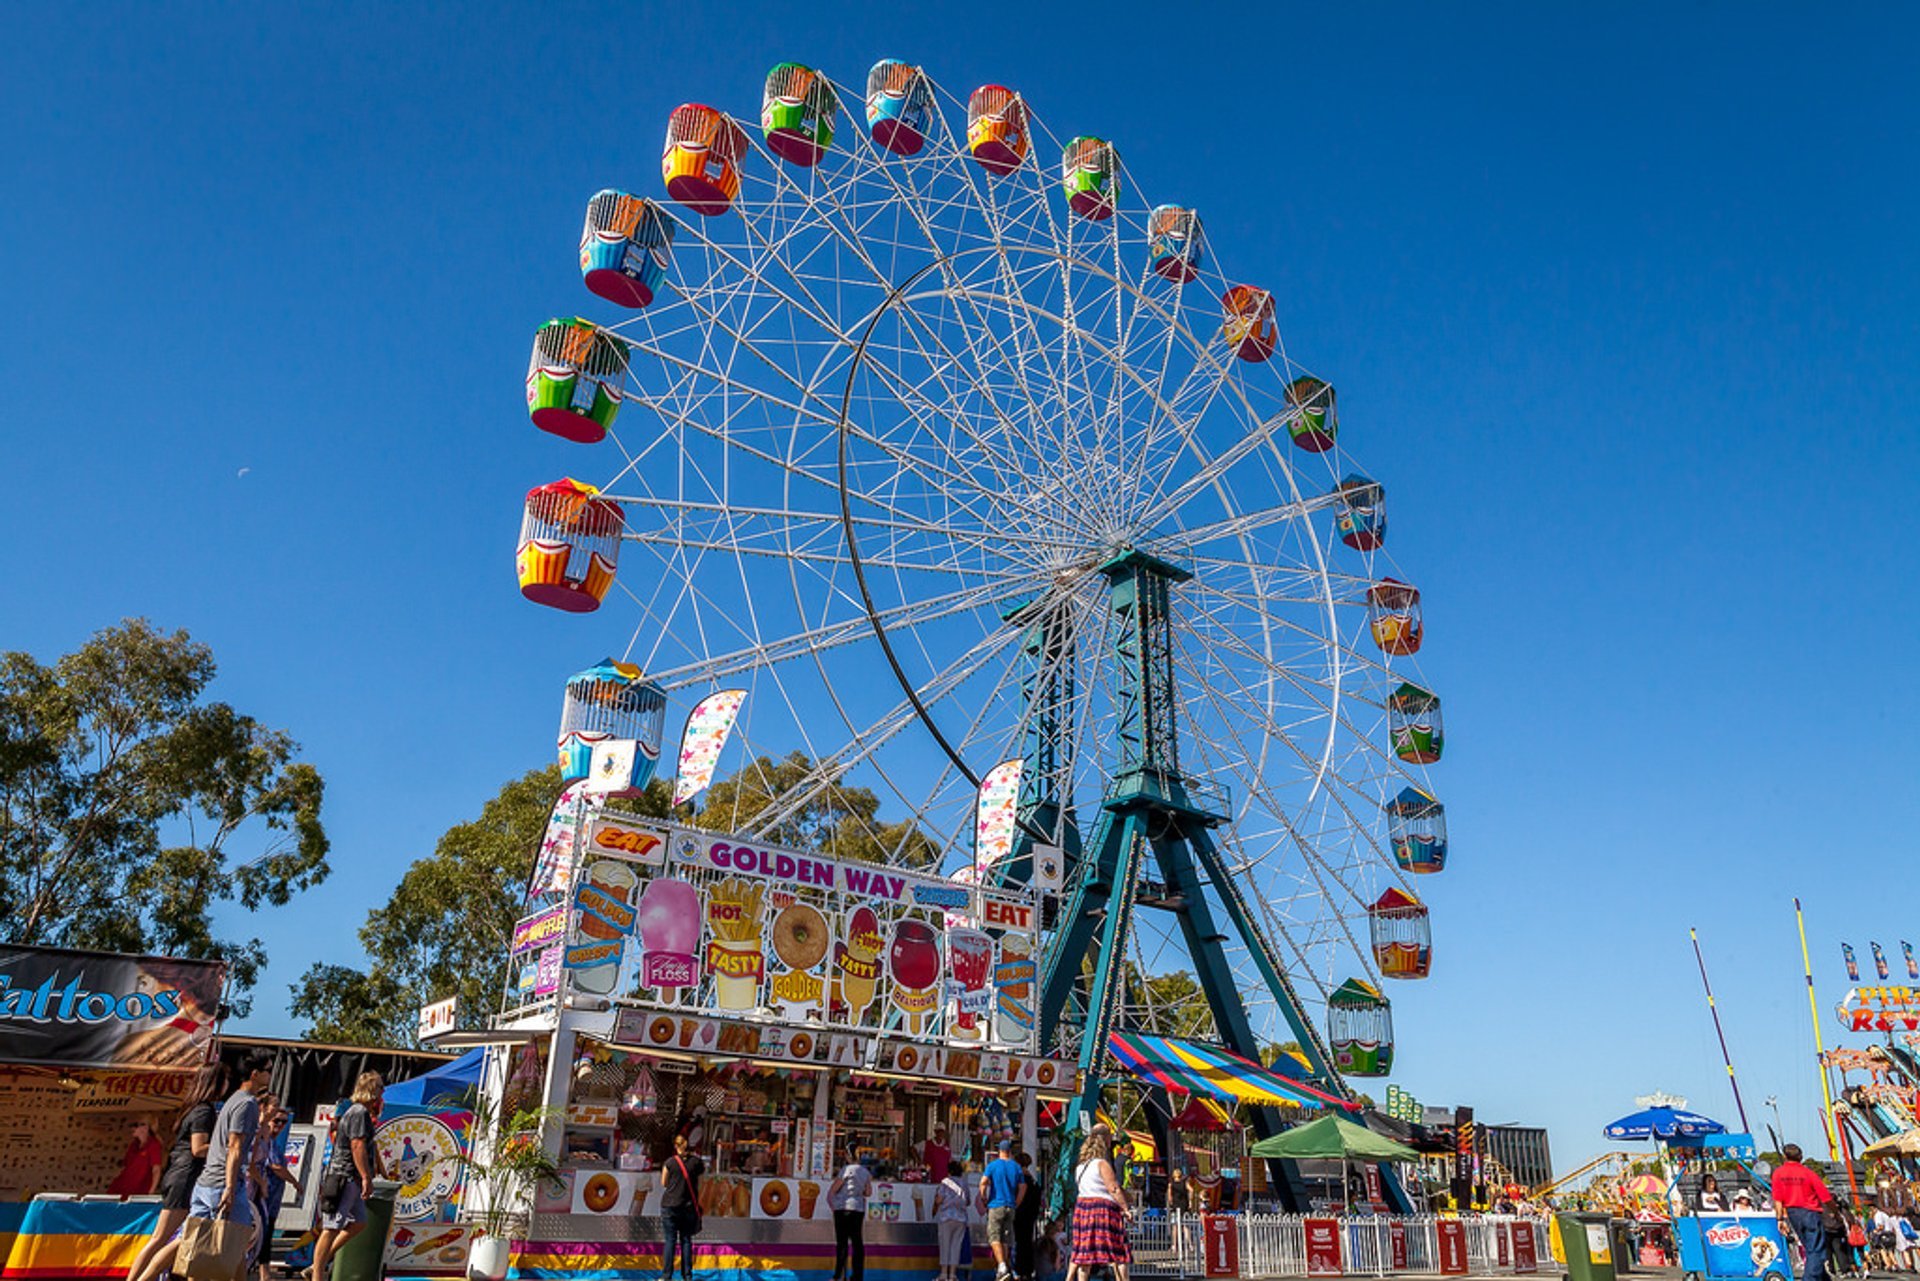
(825,637)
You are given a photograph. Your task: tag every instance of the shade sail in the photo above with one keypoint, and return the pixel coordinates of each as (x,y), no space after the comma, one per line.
(1209,1071)
(1332,1138)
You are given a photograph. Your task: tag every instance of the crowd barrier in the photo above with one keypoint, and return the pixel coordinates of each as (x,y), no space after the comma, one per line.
(1300,1245)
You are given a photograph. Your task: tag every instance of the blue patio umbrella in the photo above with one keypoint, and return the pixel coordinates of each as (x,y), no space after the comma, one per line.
(1663,1123)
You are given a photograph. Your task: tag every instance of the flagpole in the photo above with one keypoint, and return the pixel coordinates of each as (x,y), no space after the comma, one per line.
(1718,1031)
(1819,1049)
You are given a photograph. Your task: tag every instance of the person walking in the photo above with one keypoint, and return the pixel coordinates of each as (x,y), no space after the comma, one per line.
(1799,1195)
(185,1159)
(680,1207)
(275,1174)
(847,1198)
(950,1219)
(1099,1211)
(1002,1189)
(351,1169)
(220,1192)
(1026,1217)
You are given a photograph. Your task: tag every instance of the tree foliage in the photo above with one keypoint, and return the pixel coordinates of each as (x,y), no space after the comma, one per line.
(833,821)
(121,791)
(445,930)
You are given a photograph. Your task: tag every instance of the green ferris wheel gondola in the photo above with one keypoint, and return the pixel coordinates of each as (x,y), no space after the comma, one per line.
(1413,724)
(1360,1029)
(797,112)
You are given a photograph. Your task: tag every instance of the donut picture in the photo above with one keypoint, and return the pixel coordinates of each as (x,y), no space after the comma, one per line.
(908,1059)
(774,1199)
(800,937)
(660,1031)
(800,1046)
(1046,1074)
(600,1193)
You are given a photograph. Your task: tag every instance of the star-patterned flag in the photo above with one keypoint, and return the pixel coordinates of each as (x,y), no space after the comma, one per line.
(994,819)
(708,725)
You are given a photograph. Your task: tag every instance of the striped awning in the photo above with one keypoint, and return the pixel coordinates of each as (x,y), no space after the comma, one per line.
(1209,1071)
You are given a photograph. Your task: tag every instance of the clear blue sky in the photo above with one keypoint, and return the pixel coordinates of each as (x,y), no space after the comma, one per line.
(1625,303)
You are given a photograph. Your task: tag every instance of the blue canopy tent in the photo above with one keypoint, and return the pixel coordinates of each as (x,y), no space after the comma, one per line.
(447,1083)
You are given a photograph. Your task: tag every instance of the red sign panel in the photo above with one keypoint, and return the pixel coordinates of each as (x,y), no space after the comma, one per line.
(1323,1247)
(1500,1244)
(1523,1256)
(1397,1245)
(1453,1247)
(1221,1234)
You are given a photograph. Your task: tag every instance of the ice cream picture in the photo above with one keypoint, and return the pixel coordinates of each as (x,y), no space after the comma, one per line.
(857,965)
(914,959)
(669,935)
(733,942)
(603,918)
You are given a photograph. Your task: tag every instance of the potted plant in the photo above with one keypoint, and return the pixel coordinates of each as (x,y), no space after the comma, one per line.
(505,1159)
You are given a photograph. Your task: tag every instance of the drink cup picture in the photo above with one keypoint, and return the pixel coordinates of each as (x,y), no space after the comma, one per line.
(970,960)
(914,959)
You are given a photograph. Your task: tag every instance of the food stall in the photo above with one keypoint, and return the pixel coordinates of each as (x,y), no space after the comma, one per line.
(90,1044)
(774,1007)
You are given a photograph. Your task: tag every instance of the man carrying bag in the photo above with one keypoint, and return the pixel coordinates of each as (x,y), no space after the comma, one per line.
(220,1227)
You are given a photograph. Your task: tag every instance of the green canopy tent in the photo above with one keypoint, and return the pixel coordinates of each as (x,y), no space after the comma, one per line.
(1332,1139)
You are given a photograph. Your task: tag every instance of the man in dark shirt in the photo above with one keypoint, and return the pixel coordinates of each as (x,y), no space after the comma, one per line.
(1798,1197)
(1026,1216)
(680,1207)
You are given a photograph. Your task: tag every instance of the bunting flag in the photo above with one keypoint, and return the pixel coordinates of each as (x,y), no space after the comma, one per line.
(1853,966)
(1913,966)
(994,819)
(1879,960)
(708,725)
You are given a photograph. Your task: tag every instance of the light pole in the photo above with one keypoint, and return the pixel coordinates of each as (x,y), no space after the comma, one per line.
(1773,1101)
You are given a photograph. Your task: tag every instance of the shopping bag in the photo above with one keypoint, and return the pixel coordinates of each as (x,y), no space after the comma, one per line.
(213,1250)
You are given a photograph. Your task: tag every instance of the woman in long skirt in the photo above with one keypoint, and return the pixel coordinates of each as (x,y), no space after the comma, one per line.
(1100,1211)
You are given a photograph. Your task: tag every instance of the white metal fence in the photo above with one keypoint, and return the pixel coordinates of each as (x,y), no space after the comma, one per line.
(1275,1245)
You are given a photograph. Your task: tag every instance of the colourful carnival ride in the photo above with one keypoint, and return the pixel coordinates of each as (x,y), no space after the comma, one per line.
(644,254)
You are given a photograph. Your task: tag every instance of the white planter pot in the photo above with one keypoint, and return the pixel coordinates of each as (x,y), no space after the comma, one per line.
(487,1261)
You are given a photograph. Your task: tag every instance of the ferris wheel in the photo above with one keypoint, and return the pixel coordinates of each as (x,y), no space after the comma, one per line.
(950,453)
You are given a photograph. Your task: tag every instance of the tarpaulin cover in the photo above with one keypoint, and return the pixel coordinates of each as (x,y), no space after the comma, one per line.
(1212,1072)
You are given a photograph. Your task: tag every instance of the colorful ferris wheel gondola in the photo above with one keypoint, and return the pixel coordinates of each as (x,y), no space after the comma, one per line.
(1176,249)
(701,161)
(899,107)
(1413,725)
(1417,829)
(1362,520)
(1090,175)
(1250,327)
(1315,423)
(997,134)
(573,380)
(1360,1029)
(625,247)
(610,702)
(1393,612)
(1402,935)
(797,112)
(569,546)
